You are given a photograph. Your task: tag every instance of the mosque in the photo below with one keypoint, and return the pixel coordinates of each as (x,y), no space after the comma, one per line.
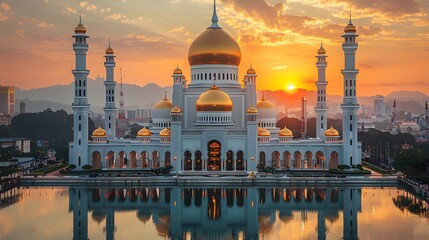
(214,122)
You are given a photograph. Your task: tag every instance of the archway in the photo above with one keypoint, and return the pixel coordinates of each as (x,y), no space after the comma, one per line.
(123,161)
(262,159)
(320,160)
(240,161)
(110,159)
(155,159)
(133,159)
(333,160)
(144,159)
(167,159)
(275,159)
(286,159)
(214,148)
(188,160)
(198,161)
(308,163)
(297,159)
(96,160)
(229,160)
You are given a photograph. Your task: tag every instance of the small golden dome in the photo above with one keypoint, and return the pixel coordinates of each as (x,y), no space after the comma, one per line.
(331,132)
(252,109)
(214,46)
(166,132)
(214,100)
(264,104)
(99,132)
(164,104)
(263,132)
(176,109)
(177,71)
(80,29)
(144,132)
(321,50)
(251,70)
(109,50)
(285,132)
(350,28)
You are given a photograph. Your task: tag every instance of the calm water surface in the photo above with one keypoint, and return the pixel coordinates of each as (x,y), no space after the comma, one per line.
(213,213)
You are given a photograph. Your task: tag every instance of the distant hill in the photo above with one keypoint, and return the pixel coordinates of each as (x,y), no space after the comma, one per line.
(61,96)
(408,96)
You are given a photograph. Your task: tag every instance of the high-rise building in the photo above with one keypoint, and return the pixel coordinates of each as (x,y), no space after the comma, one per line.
(380,107)
(7,100)
(22,107)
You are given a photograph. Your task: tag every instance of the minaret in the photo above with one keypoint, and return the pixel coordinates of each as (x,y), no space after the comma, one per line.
(427,121)
(80,106)
(350,106)
(109,83)
(321,108)
(179,83)
(250,85)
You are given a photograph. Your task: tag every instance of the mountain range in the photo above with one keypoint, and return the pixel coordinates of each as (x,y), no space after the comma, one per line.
(61,96)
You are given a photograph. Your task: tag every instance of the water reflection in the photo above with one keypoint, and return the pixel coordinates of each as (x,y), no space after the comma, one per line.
(215,213)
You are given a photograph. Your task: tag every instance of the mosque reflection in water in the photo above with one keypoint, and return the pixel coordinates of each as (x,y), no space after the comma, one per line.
(214,213)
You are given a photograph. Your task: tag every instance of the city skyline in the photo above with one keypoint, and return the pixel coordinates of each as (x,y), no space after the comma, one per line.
(279,39)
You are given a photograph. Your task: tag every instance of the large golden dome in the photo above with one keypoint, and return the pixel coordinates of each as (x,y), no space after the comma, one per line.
(214,46)
(164,104)
(214,100)
(331,132)
(264,103)
(99,132)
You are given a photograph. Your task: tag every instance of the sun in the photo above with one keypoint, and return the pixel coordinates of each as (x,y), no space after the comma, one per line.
(290,87)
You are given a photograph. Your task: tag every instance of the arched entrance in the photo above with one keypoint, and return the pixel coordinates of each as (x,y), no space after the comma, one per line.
(96,160)
(167,159)
(155,159)
(333,161)
(229,160)
(262,159)
(286,159)
(144,159)
(110,159)
(188,161)
(133,159)
(214,148)
(198,161)
(275,159)
(297,159)
(240,161)
(123,161)
(308,163)
(320,160)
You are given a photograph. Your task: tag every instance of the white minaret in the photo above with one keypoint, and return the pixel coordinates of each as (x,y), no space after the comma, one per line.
(179,84)
(350,106)
(110,107)
(321,108)
(250,85)
(79,153)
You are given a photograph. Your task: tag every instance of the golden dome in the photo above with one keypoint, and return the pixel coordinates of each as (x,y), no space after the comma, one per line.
(99,132)
(264,104)
(321,50)
(251,70)
(176,109)
(214,100)
(263,132)
(144,132)
(166,132)
(252,109)
(285,132)
(332,132)
(164,104)
(350,28)
(177,71)
(80,29)
(109,50)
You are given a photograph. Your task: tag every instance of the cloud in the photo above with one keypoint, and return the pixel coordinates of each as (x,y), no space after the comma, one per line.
(120,17)
(143,38)
(88,6)
(69,10)
(19,33)
(5,11)
(36,22)
(280,67)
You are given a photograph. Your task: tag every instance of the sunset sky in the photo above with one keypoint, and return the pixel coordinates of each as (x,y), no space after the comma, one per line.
(279,38)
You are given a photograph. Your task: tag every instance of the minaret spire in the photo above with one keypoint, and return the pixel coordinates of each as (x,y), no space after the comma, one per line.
(80,18)
(350,20)
(214,17)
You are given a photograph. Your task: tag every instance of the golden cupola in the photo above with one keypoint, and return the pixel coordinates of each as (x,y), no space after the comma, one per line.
(80,29)
(177,71)
(99,132)
(214,46)
(214,100)
(285,132)
(331,132)
(144,132)
(165,103)
(109,49)
(252,110)
(251,70)
(263,132)
(264,103)
(321,49)
(166,132)
(350,28)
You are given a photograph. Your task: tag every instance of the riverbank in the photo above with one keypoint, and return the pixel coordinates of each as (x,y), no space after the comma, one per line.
(217,181)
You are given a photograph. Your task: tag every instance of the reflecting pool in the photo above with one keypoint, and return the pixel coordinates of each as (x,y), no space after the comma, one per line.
(213,213)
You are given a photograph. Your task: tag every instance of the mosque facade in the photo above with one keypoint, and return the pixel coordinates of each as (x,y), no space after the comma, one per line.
(214,122)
